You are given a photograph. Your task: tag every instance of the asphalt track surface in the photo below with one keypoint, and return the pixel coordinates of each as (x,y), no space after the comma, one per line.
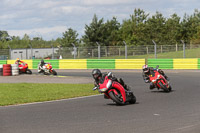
(154,112)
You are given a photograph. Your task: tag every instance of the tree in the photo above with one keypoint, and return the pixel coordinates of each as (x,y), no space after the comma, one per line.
(111,32)
(156,28)
(4,36)
(94,32)
(133,30)
(172,30)
(69,37)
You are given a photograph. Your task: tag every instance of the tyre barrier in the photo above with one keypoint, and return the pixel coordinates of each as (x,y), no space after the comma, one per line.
(7,70)
(15,69)
(1,70)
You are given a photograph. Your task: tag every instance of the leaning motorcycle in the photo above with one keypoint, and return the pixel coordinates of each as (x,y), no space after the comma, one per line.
(48,69)
(115,91)
(159,81)
(24,68)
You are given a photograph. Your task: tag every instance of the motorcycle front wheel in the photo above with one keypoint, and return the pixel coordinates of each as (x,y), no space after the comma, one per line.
(133,99)
(116,98)
(54,72)
(164,87)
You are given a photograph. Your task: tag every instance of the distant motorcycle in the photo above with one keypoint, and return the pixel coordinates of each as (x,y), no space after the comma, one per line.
(159,81)
(47,69)
(24,68)
(115,91)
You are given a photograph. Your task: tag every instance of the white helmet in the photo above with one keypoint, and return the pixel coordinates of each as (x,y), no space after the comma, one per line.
(145,68)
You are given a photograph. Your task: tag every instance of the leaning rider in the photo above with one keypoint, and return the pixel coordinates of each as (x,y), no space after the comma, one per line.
(98,77)
(19,62)
(40,66)
(150,71)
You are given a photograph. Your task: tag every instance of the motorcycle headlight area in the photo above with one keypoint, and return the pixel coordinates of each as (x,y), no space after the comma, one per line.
(103,90)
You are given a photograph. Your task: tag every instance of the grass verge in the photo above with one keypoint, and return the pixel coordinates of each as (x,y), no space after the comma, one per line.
(20,93)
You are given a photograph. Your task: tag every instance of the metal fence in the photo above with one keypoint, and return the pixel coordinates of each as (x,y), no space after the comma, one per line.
(105,52)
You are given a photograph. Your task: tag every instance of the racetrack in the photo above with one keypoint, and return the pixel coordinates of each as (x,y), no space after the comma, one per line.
(154,112)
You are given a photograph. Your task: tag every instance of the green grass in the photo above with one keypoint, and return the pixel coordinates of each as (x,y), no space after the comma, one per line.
(19,93)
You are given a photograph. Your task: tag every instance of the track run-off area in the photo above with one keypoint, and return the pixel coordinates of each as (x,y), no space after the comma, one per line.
(154,112)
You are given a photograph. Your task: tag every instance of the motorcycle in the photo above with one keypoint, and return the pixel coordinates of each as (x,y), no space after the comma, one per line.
(24,68)
(159,81)
(115,91)
(47,69)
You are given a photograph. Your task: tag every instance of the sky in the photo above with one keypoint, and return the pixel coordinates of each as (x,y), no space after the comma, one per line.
(49,19)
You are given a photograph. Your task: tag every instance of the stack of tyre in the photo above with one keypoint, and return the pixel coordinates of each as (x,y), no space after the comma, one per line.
(1,70)
(7,70)
(15,69)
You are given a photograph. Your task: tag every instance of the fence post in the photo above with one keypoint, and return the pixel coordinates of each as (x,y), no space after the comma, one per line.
(183,48)
(125,49)
(10,52)
(31,51)
(155,49)
(176,47)
(99,50)
(74,51)
(147,49)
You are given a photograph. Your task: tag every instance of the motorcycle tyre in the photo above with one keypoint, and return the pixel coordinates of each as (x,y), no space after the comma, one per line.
(28,71)
(54,72)
(115,99)
(164,87)
(133,99)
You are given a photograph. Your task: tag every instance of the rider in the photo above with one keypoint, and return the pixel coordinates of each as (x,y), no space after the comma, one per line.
(98,77)
(19,62)
(40,66)
(149,71)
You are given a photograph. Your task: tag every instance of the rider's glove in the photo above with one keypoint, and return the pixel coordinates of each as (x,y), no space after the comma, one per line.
(95,88)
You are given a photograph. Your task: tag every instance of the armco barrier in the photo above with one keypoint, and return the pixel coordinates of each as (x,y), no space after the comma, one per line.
(185,63)
(101,63)
(73,64)
(163,63)
(188,63)
(129,63)
(198,63)
(3,62)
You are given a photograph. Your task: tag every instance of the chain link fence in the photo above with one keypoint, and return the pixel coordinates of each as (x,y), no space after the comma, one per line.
(105,52)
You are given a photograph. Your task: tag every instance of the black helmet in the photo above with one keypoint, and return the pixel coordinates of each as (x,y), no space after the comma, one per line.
(42,61)
(96,73)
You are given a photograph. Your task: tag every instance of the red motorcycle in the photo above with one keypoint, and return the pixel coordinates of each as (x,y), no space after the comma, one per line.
(115,91)
(159,81)
(24,68)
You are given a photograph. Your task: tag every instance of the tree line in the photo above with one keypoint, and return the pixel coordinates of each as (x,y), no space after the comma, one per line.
(139,29)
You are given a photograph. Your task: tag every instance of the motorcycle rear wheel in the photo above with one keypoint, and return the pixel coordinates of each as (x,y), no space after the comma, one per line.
(116,99)
(28,71)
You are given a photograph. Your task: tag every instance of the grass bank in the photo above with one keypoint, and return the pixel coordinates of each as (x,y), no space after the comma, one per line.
(19,93)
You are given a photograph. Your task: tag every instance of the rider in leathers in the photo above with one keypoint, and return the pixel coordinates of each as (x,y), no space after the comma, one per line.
(98,76)
(149,71)
(40,66)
